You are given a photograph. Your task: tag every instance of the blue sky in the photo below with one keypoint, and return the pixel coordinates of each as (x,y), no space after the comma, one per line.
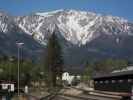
(121,8)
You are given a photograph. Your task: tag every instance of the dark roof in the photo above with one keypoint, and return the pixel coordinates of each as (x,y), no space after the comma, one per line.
(115,74)
(4,81)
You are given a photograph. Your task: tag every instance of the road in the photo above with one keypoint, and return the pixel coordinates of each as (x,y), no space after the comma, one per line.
(79,97)
(29,97)
(25,97)
(71,95)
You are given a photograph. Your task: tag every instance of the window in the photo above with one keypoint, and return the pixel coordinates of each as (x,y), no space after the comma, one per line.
(101,82)
(113,81)
(120,81)
(129,80)
(106,81)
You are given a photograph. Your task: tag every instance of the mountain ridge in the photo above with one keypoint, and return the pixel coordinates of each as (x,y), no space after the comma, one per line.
(83,35)
(71,29)
(77,27)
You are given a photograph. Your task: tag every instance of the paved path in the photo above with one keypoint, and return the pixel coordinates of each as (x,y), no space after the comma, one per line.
(82,97)
(26,97)
(29,97)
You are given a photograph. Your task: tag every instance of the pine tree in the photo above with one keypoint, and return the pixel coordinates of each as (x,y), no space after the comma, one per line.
(53,61)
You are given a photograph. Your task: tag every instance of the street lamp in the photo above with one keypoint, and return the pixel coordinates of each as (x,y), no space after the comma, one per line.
(19,45)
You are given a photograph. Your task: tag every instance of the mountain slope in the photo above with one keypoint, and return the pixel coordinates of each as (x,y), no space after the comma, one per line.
(10,34)
(83,35)
(77,27)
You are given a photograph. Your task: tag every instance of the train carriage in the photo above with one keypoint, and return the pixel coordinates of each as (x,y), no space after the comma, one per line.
(120,82)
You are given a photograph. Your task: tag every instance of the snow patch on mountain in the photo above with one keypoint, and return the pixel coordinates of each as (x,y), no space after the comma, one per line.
(77,27)
(3,22)
(49,14)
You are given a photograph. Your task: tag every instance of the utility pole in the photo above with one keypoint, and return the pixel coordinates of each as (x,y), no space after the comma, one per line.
(19,45)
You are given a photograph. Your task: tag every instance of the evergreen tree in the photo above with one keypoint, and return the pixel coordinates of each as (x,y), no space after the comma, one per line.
(53,62)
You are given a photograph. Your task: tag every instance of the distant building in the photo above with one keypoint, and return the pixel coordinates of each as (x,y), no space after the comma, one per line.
(69,77)
(7,85)
(128,68)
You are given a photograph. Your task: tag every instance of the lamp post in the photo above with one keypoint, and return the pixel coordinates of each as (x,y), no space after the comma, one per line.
(19,45)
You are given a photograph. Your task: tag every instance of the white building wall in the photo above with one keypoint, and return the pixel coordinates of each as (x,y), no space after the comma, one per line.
(69,78)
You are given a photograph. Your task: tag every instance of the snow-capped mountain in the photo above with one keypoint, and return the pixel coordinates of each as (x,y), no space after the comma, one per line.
(83,35)
(10,34)
(77,27)
(6,22)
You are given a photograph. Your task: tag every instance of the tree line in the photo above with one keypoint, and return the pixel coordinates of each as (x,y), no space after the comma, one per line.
(103,67)
(50,70)
(9,69)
